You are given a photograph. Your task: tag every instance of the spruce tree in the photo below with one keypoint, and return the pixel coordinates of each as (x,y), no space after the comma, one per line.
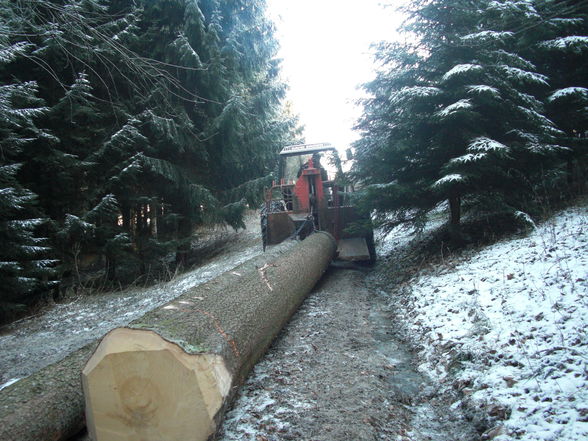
(25,263)
(561,52)
(457,116)
(157,107)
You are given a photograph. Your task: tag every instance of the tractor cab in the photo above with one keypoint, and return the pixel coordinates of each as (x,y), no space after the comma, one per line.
(307,198)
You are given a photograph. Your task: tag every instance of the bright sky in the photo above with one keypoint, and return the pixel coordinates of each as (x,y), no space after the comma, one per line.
(325,47)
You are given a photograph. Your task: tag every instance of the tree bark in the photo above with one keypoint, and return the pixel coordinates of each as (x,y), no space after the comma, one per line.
(455,210)
(455,219)
(184,231)
(172,373)
(48,405)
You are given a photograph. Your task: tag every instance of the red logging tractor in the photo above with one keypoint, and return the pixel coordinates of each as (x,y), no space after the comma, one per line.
(307,198)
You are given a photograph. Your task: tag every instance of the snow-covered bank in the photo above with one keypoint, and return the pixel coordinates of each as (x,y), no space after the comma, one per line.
(507,326)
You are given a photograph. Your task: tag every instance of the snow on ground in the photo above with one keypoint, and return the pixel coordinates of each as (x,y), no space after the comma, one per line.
(35,342)
(507,326)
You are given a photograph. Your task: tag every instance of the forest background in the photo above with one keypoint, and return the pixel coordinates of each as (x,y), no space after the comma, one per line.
(126,124)
(123,126)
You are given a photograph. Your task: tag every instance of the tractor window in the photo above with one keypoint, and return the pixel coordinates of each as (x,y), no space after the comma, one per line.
(292,165)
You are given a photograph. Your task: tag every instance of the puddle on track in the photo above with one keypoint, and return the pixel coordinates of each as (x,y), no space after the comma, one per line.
(410,389)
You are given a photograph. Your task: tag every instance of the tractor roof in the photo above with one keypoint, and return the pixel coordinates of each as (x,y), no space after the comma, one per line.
(302,149)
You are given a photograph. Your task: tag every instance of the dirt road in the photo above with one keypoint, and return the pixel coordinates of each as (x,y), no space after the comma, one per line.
(337,372)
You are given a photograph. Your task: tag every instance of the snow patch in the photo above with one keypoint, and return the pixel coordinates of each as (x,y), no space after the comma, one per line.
(8,383)
(508,327)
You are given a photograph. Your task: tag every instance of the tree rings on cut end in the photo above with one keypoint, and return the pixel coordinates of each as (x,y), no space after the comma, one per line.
(141,387)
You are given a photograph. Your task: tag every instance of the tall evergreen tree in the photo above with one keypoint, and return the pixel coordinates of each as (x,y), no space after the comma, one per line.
(561,54)
(153,111)
(25,268)
(457,116)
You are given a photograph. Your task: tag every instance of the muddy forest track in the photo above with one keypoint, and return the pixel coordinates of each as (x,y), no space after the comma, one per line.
(337,372)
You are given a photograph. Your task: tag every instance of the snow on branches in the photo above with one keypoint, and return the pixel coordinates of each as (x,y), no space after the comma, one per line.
(482,89)
(467,158)
(568,92)
(464,104)
(414,92)
(487,36)
(461,69)
(484,144)
(524,76)
(574,43)
(454,178)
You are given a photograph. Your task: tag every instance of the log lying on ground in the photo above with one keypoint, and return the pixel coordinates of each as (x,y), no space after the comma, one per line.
(171,374)
(48,405)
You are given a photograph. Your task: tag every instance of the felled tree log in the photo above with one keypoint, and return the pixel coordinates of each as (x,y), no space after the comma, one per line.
(171,374)
(48,405)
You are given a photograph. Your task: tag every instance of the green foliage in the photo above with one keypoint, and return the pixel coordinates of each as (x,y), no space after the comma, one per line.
(460,114)
(25,260)
(251,192)
(132,122)
(232,214)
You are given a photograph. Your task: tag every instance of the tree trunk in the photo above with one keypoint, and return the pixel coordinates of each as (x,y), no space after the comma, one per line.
(455,220)
(153,210)
(126,217)
(110,268)
(171,374)
(48,405)
(570,172)
(184,231)
(455,210)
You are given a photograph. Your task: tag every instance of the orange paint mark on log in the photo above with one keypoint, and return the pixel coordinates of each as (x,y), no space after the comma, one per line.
(230,341)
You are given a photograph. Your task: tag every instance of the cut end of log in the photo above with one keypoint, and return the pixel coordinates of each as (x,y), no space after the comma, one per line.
(139,386)
(152,383)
